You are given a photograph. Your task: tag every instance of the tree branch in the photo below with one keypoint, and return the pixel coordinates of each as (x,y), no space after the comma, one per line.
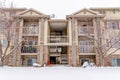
(12,50)
(113,52)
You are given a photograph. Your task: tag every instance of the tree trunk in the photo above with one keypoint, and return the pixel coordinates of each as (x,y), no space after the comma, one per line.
(101,60)
(1,63)
(1,52)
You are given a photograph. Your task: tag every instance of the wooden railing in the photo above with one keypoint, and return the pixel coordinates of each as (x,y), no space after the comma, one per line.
(58,39)
(85,30)
(29,49)
(30,30)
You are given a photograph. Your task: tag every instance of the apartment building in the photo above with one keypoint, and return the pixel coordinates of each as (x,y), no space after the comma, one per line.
(70,41)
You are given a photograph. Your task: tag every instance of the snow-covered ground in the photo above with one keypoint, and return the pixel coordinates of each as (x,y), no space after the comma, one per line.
(59,73)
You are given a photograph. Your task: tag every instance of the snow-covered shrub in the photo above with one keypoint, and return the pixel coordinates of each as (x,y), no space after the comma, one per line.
(92,65)
(86,64)
(36,65)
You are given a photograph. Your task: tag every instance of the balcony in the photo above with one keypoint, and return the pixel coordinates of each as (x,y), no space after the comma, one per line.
(58,39)
(28,49)
(85,30)
(30,30)
(55,54)
(84,49)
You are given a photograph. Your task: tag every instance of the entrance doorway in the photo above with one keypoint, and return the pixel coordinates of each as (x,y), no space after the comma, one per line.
(52,60)
(55,60)
(84,60)
(58,55)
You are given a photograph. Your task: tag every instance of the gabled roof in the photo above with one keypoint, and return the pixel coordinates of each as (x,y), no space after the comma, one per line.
(87,11)
(30,10)
(31,13)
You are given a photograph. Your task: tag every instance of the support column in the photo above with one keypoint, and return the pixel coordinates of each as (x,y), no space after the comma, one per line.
(74,52)
(70,43)
(18,56)
(15,42)
(46,53)
(70,55)
(98,38)
(10,58)
(46,57)
(41,42)
(78,59)
(38,53)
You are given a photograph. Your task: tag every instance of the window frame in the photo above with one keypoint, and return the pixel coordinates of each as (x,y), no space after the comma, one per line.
(112,25)
(114,61)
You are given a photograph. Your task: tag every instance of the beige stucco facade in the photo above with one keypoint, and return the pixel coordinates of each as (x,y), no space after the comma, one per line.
(70,41)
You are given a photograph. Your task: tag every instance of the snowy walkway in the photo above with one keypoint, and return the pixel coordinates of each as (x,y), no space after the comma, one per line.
(59,73)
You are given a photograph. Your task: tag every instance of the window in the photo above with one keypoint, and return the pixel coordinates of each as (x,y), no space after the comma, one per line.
(102,12)
(30,62)
(86,46)
(115,62)
(33,29)
(114,11)
(112,25)
(4,42)
(114,42)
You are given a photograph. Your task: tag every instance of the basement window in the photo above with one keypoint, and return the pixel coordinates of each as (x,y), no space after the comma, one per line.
(115,62)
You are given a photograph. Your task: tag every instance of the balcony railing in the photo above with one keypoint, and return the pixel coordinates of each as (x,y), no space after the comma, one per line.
(85,30)
(57,39)
(86,49)
(29,49)
(30,30)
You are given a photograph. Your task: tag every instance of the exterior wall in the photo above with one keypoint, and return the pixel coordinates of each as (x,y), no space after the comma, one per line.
(38,55)
(108,60)
(78,62)
(112,15)
(46,55)
(109,13)
(70,56)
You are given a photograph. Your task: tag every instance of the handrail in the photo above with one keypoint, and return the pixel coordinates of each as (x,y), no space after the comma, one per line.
(86,30)
(29,48)
(57,39)
(30,30)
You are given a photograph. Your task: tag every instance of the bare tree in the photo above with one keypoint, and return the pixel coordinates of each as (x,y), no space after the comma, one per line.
(106,43)
(7,27)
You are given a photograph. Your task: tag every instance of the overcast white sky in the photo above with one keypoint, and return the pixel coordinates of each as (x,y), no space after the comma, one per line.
(61,8)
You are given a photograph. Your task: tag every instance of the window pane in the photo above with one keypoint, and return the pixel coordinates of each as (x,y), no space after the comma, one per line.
(86,46)
(4,42)
(118,62)
(31,61)
(112,25)
(114,62)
